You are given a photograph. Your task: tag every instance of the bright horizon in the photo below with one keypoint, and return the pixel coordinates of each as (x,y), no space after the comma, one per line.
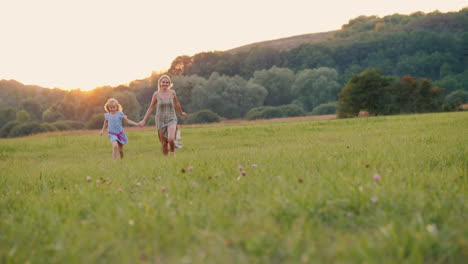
(86,44)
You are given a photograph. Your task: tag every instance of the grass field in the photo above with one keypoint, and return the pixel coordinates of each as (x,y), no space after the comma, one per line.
(364,190)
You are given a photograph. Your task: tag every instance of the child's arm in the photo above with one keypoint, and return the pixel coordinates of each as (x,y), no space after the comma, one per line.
(177,105)
(154,101)
(130,121)
(103,127)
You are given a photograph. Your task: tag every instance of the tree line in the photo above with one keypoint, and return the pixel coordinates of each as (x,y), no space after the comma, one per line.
(389,65)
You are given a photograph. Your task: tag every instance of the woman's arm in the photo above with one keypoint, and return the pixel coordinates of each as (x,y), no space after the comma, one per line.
(177,105)
(154,101)
(103,127)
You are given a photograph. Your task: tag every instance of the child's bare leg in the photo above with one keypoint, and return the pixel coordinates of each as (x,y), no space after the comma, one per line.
(171,133)
(121,151)
(115,149)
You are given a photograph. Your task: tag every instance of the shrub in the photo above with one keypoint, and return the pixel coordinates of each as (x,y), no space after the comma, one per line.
(23,116)
(26,129)
(255,113)
(151,121)
(272,112)
(454,100)
(292,110)
(95,122)
(50,127)
(203,116)
(265,112)
(52,114)
(68,125)
(7,115)
(5,131)
(325,109)
(75,125)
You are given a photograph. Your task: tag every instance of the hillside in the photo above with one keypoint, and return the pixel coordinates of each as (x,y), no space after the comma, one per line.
(287,43)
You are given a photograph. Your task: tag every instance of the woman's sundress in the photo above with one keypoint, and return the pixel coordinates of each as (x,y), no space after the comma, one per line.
(165,114)
(114,127)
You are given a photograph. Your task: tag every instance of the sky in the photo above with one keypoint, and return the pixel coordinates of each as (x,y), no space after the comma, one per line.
(85,44)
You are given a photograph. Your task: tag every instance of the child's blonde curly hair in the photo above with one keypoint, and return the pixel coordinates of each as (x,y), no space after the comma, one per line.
(112,101)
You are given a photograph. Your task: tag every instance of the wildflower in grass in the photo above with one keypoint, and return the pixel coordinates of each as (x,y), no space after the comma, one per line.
(254,165)
(182,170)
(432,229)
(108,182)
(374,199)
(244,173)
(88,178)
(98,181)
(138,184)
(240,168)
(131,222)
(163,189)
(119,190)
(190,168)
(376,177)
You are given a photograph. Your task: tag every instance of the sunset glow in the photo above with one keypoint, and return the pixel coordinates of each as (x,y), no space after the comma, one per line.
(86,44)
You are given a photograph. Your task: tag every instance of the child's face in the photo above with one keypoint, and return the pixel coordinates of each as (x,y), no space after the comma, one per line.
(113,108)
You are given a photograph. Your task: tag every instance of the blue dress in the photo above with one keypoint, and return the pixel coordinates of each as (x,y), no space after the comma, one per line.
(115,128)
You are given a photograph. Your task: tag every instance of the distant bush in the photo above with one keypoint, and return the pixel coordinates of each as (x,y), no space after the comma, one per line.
(26,129)
(52,114)
(23,116)
(265,112)
(255,113)
(5,131)
(325,109)
(95,122)
(203,116)
(50,127)
(290,110)
(453,100)
(151,121)
(7,115)
(272,112)
(68,125)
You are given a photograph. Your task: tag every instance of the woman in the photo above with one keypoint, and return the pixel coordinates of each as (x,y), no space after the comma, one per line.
(166,102)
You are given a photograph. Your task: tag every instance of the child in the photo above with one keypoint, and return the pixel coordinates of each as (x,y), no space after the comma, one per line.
(113,120)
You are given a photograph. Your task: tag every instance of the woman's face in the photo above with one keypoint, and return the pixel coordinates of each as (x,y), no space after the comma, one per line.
(164,83)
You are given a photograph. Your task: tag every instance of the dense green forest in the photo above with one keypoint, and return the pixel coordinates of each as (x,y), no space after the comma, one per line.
(389,65)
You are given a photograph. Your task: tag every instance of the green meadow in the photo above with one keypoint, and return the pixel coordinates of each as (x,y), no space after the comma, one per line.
(387,189)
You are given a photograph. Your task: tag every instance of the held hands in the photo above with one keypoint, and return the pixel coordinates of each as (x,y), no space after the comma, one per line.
(141,123)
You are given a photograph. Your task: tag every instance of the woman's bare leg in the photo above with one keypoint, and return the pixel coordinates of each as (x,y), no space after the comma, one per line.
(164,142)
(171,134)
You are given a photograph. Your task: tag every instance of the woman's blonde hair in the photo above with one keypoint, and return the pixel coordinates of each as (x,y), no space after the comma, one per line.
(112,101)
(162,77)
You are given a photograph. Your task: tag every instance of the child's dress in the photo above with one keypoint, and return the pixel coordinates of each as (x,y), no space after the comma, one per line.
(115,128)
